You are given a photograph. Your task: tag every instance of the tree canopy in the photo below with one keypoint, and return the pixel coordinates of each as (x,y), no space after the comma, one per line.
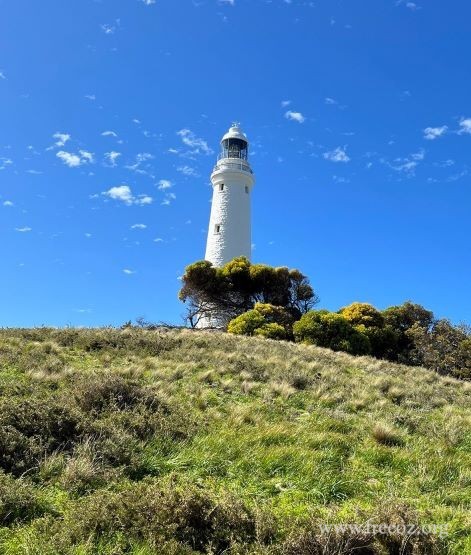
(237,286)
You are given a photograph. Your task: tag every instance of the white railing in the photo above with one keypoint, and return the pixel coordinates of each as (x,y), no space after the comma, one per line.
(224,164)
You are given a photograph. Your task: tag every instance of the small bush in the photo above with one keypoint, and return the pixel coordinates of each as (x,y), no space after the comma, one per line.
(19,501)
(265,320)
(147,512)
(247,323)
(386,435)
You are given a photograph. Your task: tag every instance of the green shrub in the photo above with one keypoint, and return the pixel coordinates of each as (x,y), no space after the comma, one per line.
(18,501)
(156,514)
(33,426)
(246,323)
(331,330)
(265,320)
(363,314)
(272,331)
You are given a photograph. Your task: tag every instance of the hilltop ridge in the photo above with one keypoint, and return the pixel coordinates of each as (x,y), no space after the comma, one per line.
(179,441)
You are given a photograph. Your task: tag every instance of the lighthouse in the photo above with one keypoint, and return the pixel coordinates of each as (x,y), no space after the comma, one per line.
(232,179)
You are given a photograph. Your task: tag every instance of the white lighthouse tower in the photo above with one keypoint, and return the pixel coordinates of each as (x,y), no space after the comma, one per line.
(229,233)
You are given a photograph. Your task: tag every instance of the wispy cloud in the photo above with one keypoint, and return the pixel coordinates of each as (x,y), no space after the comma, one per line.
(141,160)
(408,4)
(128,272)
(109,134)
(465,126)
(337,155)
(432,133)
(8,203)
(5,162)
(62,138)
(73,160)
(407,165)
(148,2)
(25,229)
(169,197)
(110,28)
(285,103)
(139,226)
(198,144)
(188,171)
(295,116)
(164,184)
(111,158)
(123,193)
(2,75)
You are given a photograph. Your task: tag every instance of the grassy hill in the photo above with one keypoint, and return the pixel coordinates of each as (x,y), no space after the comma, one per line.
(180,442)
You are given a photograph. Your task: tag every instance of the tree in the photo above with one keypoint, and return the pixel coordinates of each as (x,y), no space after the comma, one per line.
(370,322)
(234,288)
(363,314)
(331,330)
(401,319)
(444,348)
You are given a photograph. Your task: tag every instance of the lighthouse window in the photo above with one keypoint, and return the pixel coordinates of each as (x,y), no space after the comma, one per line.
(217,228)
(246,189)
(221,187)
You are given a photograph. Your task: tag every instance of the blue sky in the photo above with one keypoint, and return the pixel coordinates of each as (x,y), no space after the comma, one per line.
(111,113)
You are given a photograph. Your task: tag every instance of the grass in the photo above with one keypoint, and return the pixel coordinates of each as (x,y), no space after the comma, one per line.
(182,442)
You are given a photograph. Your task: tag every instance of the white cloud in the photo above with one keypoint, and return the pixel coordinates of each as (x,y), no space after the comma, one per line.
(408,4)
(148,2)
(124,194)
(188,171)
(25,229)
(111,157)
(140,159)
(8,203)
(168,199)
(419,156)
(337,155)
(109,134)
(432,133)
(330,101)
(196,143)
(139,226)
(4,162)
(285,103)
(91,97)
(2,75)
(465,126)
(158,240)
(62,138)
(407,165)
(164,184)
(120,192)
(75,160)
(128,272)
(230,2)
(87,157)
(69,159)
(110,29)
(144,199)
(295,116)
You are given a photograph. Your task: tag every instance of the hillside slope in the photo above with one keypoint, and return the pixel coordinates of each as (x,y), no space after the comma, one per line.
(165,442)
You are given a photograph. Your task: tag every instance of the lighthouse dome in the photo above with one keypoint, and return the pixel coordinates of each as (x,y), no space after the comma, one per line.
(235,132)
